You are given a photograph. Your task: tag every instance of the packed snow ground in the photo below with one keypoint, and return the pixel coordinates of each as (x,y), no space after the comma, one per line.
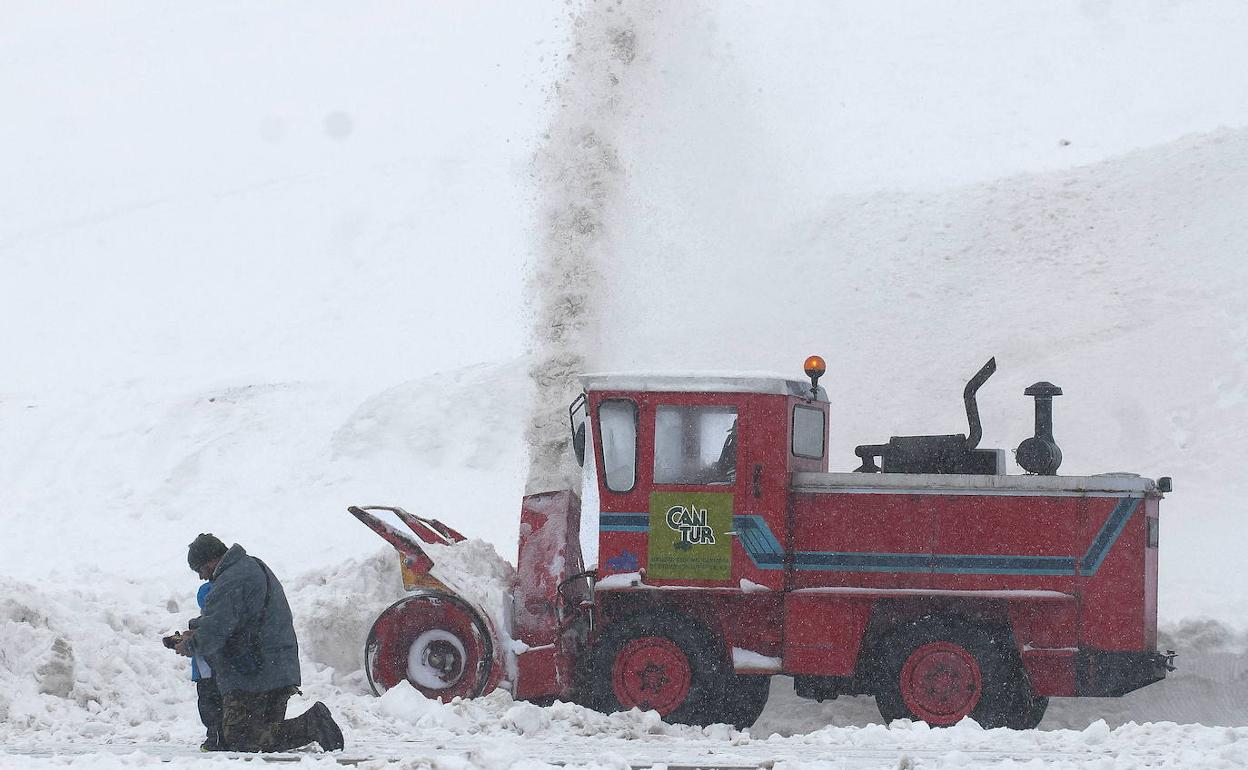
(85,681)
(253,264)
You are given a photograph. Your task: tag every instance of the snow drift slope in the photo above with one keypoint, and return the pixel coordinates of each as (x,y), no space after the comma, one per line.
(121,479)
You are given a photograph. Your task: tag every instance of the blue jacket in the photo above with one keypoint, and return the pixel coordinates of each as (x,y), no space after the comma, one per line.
(198,665)
(251,646)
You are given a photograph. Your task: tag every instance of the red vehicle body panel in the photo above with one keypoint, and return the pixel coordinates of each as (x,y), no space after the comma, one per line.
(830,559)
(550,554)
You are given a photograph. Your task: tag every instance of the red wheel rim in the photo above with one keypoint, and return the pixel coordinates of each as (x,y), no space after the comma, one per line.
(651,673)
(941,683)
(433,643)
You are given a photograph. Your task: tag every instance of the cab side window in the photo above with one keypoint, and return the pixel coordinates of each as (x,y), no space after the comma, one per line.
(617,420)
(809,432)
(695,445)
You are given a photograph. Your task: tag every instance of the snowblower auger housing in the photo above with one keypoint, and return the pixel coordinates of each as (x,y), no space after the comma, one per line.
(728,552)
(447,646)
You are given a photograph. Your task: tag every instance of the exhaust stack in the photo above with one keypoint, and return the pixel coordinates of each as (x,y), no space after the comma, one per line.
(1040,454)
(972,409)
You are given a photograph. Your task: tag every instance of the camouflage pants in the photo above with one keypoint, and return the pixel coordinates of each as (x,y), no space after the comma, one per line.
(256,721)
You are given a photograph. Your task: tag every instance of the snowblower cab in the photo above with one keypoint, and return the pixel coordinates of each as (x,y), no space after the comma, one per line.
(689,465)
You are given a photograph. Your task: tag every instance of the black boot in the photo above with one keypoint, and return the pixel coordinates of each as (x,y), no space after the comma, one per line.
(296,732)
(327,732)
(213,741)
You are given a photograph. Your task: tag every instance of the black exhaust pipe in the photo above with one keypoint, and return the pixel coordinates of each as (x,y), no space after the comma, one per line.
(972,409)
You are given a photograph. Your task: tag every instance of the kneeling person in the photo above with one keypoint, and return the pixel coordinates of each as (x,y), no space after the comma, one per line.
(247,633)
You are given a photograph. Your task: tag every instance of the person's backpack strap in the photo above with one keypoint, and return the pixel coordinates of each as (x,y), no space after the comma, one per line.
(268,591)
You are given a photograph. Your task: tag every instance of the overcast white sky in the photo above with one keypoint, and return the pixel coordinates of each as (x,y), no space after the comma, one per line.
(266,192)
(282,191)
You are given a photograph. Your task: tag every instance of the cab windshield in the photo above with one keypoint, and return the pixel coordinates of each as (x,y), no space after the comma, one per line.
(695,445)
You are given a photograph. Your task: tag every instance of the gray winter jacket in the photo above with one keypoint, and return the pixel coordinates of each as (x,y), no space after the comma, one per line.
(250,646)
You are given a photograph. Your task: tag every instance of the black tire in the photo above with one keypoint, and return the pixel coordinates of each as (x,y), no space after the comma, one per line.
(643,662)
(1027,709)
(742,699)
(941,670)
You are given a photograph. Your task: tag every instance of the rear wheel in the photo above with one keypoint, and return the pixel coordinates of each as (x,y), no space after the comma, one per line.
(434,640)
(1027,709)
(742,699)
(941,671)
(661,663)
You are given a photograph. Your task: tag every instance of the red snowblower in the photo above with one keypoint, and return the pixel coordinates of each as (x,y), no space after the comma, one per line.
(728,553)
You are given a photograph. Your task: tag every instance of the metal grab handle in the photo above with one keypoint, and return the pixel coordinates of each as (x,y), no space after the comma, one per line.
(429,530)
(413,556)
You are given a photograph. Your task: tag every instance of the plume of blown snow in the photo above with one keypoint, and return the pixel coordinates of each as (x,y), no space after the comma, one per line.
(579,174)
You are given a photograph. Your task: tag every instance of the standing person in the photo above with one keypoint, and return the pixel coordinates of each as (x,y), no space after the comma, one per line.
(247,634)
(206,688)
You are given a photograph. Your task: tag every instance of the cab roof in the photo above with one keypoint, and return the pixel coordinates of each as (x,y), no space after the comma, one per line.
(700,382)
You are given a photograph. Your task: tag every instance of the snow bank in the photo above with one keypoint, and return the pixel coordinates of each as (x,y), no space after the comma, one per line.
(334,609)
(82,671)
(123,478)
(88,662)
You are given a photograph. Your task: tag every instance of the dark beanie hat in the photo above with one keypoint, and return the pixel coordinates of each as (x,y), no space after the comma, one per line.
(205,548)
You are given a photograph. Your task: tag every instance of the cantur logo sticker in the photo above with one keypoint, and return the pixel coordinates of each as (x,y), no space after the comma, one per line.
(688,536)
(692,525)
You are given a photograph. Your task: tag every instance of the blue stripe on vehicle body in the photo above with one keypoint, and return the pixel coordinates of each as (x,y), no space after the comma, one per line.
(1003,565)
(759,543)
(623,522)
(1110,531)
(849,561)
(957,564)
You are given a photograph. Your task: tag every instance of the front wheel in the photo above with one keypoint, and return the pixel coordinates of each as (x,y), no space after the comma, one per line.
(661,663)
(434,640)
